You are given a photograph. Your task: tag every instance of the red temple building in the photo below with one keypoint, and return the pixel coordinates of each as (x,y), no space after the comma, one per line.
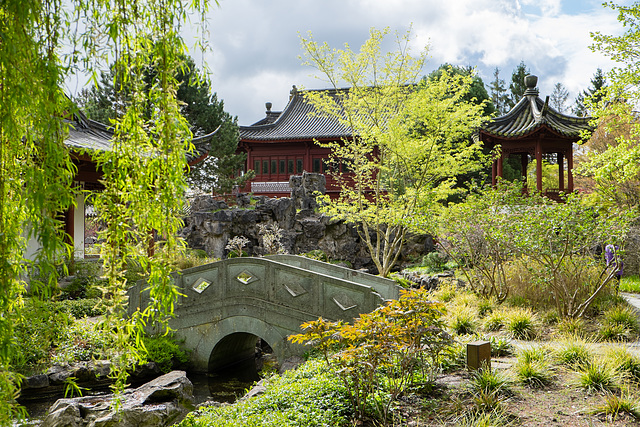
(534,130)
(282,144)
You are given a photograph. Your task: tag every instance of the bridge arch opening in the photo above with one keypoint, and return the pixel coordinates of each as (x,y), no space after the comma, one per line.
(239,350)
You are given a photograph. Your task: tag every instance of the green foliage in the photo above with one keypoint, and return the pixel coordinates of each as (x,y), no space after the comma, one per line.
(81,341)
(494,321)
(85,283)
(627,363)
(614,404)
(521,324)
(599,376)
(532,367)
(71,388)
(619,323)
(571,327)
(498,228)
(462,320)
(517,86)
(379,355)
(410,139)
(317,254)
(500,346)
(164,351)
(489,389)
(574,353)
(310,396)
(630,284)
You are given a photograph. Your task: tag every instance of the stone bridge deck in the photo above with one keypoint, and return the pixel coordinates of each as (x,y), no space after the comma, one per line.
(228,304)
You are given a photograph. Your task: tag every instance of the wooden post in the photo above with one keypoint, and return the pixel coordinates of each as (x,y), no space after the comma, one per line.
(478,355)
(570,170)
(560,172)
(538,166)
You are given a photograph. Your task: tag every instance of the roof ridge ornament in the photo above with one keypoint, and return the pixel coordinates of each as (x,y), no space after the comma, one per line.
(531,81)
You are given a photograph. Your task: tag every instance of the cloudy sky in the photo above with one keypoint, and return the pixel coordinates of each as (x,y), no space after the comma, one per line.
(255,45)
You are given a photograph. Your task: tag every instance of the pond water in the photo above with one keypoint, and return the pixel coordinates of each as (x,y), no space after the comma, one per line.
(227,385)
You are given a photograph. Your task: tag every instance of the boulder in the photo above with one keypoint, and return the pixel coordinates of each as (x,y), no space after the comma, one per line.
(161,402)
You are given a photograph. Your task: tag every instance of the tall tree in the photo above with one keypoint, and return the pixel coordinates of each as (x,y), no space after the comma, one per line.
(477,91)
(202,109)
(406,147)
(499,95)
(559,97)
(517,86)
(592,95)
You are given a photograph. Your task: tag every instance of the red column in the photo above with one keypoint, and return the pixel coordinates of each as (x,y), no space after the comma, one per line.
(538,166)
(570,170)
(560,171)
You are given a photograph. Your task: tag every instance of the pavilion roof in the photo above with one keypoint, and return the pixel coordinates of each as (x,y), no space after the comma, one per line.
(299,120)
(88,135)
(531,114)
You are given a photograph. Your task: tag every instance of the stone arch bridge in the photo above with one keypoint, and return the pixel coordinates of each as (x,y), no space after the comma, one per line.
(227,305)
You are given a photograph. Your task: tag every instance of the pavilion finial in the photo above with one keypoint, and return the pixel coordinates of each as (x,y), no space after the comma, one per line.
(531,82)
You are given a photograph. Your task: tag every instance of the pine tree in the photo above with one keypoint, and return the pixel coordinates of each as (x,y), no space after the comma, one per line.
(517,86)
(593,94)
(559,97)
(498,91)
(202,109)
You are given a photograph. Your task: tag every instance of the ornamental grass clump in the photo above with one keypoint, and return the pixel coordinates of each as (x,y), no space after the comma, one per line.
(489,388)
(521,324)
(599,376)
(494,321)
(626,363)
(462,320)
(533,368)
(615,404)
(620,323)
(574,352)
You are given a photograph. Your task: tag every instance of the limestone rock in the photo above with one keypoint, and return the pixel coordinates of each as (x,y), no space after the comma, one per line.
(161,402)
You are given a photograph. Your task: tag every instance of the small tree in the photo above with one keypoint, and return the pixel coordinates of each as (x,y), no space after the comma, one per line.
(409,141)
(559,240)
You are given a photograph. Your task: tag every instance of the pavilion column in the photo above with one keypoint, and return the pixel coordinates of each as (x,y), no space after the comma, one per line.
(499,166)
(570,170)
(524,162)
(560,172)
(538,166)
(494,175)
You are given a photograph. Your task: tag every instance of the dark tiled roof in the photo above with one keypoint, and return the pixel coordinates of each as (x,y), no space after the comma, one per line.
(86,135)
(298,121)
(530,114)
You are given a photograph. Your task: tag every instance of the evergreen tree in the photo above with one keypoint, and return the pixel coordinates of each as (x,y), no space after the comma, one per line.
(477,92)
(499,95)
(517,86)
(202,109)
(559,97)
(593,94)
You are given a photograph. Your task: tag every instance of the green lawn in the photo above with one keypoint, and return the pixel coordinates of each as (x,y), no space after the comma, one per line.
(630,284)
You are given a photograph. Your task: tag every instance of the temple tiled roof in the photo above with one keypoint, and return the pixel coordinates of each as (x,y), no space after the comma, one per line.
(88,135)
(298,121)
(530,114)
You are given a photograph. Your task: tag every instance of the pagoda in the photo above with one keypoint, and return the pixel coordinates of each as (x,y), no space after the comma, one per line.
(534,130)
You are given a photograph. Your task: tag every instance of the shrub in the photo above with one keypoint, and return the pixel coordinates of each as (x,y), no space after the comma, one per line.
(623,316)
(445,292)
(81,342)
(311,395)
(521,324)
(397,340)
(165,352)
(85,282)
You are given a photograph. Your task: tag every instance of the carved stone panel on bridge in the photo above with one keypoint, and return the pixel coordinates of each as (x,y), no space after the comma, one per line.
(341,302)
(246,280)
(296,290)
